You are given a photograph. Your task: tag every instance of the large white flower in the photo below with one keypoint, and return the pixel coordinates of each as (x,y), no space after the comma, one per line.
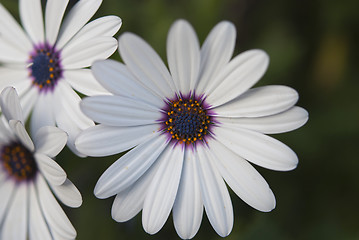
(191,130)
(28,209)
(45,62)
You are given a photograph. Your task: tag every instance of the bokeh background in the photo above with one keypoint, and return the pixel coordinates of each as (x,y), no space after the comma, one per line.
(313,46)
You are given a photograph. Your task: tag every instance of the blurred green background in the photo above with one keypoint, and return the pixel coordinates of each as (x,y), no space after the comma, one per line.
(313,46)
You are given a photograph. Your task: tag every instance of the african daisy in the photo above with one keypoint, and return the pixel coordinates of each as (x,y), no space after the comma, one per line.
(29,175)
(190,130)
(46,62)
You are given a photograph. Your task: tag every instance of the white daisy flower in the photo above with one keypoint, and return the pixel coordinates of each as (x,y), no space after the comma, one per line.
(46,62)
(28,209)
(191,131)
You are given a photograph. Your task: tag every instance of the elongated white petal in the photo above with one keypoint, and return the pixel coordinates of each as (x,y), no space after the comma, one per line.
(18,214)
(50,140)
(28,100)
(216,51)
(257,148)
(282,122)
(12,31)
(146,65)
(84,54)
(130,167)
(32,20)
(238,76)
(188,207)
(22,134)
(7,187)
(54,13)
(242,177)
(120,111)
(129,202)
(216,199)
(68,194)
(43,112)
(116,78)
(15,77)
(162,191)
(83,81)
(54,215)
(102,140)
(38,228)
(259,102)
(10,52)
(183,56)
(104,26)
(10,104)
(51,170)
(78,16)
(6,133)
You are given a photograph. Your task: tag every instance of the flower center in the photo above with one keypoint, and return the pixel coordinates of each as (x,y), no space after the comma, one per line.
(187,120)
(45,66)
(18,161)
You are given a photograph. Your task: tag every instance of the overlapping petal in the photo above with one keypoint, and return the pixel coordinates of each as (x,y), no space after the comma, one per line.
(54,13)
(50,140)
(10,104)
(32,20)
(68,194)
(50,169)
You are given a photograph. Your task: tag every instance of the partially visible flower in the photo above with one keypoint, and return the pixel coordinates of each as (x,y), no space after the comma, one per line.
(29,175)
(191,130)
(46,62)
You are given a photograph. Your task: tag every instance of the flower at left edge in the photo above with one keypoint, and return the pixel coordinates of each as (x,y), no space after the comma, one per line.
(29,177)
(47,60)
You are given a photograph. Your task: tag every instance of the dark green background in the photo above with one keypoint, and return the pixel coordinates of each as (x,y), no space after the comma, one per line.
(313,46)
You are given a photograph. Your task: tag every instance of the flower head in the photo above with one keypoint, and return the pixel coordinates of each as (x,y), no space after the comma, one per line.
(48,59)
(191,130)
(27,170)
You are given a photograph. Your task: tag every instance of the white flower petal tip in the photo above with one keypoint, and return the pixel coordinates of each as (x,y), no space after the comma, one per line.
(50,140)
(21,133)
(51,170)
(10,104)
(68,194)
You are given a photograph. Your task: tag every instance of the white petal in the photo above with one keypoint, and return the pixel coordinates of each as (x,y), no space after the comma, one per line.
(18,214)
(68,194)
(68,115)
(243,178)
(237,77)
(216,199)
(83,81)
(16,77)
(54,13)
(104,26)
(10,52)
(38,228)
(12,31)
(130,167)
(162,191)
(183,56)
(6,133)
(43,112)
(51,170)
(78,16)
(188,207)
(7,187)
(129,202)
(28,100)
(31,18)
(116,78)
(120,111)
(257,148)
(84,54)
(216,52)
(50,140)
(279,123)
(22,134)
(146,65)
(259,102)
(102,140)
(10,104)
(54,215)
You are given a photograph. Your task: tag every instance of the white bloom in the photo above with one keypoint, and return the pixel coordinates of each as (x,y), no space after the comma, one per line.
(28,209)
(46,62)
(191,130)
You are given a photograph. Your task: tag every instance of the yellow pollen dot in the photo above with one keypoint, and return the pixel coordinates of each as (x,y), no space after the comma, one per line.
(48,81)
(170,120)
(199,134)
(48,54)
(194,139)
(51,75)
(51,60)
(18,165)
(51,69)
(201,130)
